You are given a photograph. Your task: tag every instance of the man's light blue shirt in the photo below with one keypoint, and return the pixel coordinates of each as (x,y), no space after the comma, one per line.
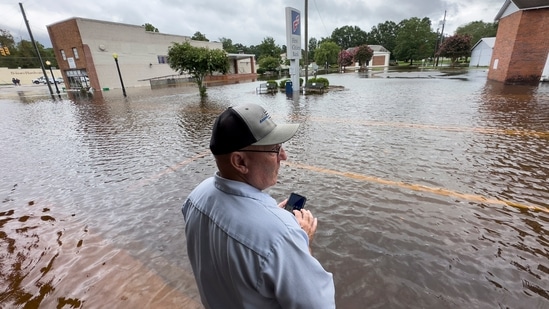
(246,252)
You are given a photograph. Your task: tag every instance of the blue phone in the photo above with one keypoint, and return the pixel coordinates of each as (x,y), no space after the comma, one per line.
(295,202)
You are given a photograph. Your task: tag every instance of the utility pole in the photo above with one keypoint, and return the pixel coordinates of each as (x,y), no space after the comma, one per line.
(37,51)
(442,33)
(306,62)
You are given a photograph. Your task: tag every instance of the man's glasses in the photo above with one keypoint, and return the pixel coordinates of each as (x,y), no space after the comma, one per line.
(274,150)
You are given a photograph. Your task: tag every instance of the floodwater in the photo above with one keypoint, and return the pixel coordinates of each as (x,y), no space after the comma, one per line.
(431,192)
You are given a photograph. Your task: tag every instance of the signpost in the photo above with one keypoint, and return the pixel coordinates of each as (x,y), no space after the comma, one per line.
(293,44)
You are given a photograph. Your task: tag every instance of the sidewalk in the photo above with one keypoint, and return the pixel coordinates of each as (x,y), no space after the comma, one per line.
(14,92)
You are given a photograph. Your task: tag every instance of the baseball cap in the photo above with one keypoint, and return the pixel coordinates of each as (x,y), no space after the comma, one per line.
(247,124)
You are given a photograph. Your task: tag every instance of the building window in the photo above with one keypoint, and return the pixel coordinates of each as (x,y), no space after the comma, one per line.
(63,55)
(162,59)
(75,52)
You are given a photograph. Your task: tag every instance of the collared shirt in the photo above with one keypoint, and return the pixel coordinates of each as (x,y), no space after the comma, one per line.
(246,252)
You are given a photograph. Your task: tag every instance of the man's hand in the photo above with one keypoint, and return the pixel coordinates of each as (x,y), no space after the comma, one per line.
(307,222)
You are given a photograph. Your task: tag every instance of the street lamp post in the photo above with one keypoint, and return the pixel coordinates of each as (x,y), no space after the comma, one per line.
(115,56)
(48,63)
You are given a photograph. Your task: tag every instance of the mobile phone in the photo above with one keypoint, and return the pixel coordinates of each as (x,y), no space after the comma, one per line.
(295,202)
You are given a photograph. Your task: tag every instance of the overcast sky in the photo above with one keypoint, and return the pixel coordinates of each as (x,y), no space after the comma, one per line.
(243,21)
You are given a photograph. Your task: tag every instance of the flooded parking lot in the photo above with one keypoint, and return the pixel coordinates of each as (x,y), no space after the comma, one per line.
(431,191)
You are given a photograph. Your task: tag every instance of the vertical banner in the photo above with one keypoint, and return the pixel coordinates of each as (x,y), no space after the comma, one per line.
(293,44)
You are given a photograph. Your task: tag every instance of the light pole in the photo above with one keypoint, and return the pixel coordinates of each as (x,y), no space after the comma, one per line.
(115,56)
(48,63)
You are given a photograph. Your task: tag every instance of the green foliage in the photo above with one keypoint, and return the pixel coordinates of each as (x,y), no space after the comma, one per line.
(456,46)
(197,61)
(313,45)
(269,64)
(326,52)
(478,30)
(150,27)
(349,36)
(282,83)
(320,80)
(272,83)
(384,34)
(228,45)
(197,36)
(268,48)
(415,39)
(363,54)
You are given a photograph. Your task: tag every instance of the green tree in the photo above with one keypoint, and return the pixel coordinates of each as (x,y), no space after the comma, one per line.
(478,30)
(228,45)
(197,61)
(269,64)
(363,54)
(349,36)
(150,27)
(313,45)
(197,36)
(415,40)
(6,40)
(268,48)
(384,34)
(326,53)
(456,46)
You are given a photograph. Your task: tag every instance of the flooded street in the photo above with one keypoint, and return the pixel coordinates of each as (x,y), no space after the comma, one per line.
(430,191)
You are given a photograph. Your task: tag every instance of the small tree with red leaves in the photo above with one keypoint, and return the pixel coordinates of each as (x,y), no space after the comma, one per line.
(456,46)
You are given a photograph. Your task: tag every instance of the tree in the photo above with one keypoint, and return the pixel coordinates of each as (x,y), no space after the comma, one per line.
(228,45)
(384,34)
(478,30)
(345,58)
(197,61)
(363,54)
(313,45)
(326,53)
(349,36)
(415,40)
(197,36)
(456,46)
(268,48)
(269,63)
(150,27)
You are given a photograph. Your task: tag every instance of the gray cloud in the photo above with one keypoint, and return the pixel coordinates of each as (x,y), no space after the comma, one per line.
(244,21)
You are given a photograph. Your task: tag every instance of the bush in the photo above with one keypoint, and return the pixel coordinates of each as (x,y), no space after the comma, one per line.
(320,80)
(282,83)
(272,83)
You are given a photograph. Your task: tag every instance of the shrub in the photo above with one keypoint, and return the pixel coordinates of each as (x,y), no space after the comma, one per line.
(282,83)
(320,80)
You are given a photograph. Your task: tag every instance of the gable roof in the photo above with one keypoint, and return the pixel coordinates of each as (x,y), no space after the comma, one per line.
(489,41)
(521,5)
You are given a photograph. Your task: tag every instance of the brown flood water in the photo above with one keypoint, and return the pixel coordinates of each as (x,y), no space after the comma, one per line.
(431,192)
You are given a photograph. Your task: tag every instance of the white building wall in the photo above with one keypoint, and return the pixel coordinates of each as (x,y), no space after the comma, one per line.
(138,51)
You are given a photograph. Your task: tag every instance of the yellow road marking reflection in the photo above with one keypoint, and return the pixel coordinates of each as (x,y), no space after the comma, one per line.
(417,187)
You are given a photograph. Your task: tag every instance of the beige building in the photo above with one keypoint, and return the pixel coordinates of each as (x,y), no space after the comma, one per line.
(84,50)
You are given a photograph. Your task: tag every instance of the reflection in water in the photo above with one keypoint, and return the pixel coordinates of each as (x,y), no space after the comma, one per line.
(430,192)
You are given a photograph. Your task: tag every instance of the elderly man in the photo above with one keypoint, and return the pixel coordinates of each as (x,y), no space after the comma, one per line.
(245,250)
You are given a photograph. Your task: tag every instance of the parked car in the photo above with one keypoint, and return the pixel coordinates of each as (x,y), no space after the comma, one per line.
(39,80)
(42,80)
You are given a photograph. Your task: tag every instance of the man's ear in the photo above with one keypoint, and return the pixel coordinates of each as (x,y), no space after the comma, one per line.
(239,161)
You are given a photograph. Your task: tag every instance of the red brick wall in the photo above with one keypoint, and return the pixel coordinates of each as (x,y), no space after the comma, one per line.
(521,47)
(65,36)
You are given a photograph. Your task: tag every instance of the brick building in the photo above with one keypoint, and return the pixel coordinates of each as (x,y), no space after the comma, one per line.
(84,50)
(521,50)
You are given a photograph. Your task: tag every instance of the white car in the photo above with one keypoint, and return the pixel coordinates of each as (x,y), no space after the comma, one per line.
(39,80)
(42,80)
